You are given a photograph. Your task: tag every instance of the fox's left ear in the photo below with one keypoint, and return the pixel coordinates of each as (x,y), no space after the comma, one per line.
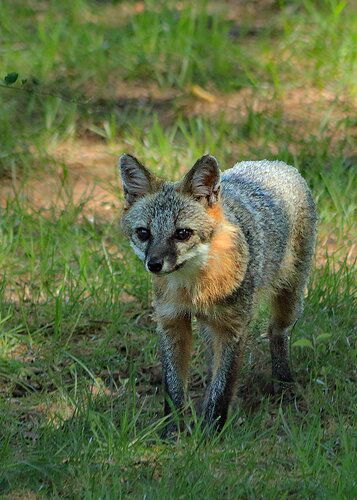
(203,180)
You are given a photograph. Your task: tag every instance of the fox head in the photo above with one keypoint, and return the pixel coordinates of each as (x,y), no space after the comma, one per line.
(170,224)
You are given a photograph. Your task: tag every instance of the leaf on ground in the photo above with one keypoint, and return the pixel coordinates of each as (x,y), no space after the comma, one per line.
(11,78)
(323,337)
(201,93)
(303,343)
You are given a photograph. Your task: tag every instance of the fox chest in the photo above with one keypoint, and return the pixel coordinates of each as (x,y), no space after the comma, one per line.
(185,302)
(171,304)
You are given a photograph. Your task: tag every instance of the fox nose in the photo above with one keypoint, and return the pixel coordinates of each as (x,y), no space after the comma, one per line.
(155,265)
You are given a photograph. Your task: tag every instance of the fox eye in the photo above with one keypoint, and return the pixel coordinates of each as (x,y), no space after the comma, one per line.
(183,234)
(142,233)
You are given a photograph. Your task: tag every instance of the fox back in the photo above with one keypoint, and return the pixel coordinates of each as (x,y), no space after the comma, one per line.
(273,206)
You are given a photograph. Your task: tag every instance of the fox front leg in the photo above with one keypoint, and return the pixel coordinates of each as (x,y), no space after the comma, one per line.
(175,343)
(228,350)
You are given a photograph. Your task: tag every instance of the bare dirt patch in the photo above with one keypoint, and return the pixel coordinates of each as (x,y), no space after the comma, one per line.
(81,172)
(330,246)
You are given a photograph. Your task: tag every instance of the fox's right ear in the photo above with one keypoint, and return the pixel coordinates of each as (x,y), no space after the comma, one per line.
(137,180)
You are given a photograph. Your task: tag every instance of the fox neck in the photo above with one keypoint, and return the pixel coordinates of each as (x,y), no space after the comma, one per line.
(222,271)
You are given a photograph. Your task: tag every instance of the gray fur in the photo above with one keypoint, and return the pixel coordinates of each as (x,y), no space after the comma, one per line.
(174,384)
(164,212)
(220,388)
(271,207)
(137,180)
(203,180)
(260,196)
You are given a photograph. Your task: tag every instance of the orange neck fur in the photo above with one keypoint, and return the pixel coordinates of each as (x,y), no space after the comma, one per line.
(226,265)
(223,272)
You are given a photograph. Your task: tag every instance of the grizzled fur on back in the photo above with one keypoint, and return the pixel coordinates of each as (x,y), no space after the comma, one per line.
(273,205)
(213,241)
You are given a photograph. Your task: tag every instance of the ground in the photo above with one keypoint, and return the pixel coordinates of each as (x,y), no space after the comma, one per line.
(80,378)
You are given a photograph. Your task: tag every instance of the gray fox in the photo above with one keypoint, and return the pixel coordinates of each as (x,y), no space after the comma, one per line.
(213,241)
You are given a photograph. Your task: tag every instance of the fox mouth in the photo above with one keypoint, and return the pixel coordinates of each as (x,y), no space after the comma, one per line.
(176,268)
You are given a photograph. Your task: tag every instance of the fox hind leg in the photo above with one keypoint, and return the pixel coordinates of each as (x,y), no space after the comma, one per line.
(286,305)
(287,302)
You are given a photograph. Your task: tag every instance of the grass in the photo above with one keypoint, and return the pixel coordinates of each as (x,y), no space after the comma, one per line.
(80,406)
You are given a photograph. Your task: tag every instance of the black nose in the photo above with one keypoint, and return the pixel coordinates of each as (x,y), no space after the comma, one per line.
(155,265)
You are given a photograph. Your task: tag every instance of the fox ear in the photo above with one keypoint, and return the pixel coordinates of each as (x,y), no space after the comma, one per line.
(137,180)
(203,180)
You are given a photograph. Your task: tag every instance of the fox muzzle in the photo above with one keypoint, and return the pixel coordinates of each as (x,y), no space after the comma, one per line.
(155,265)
